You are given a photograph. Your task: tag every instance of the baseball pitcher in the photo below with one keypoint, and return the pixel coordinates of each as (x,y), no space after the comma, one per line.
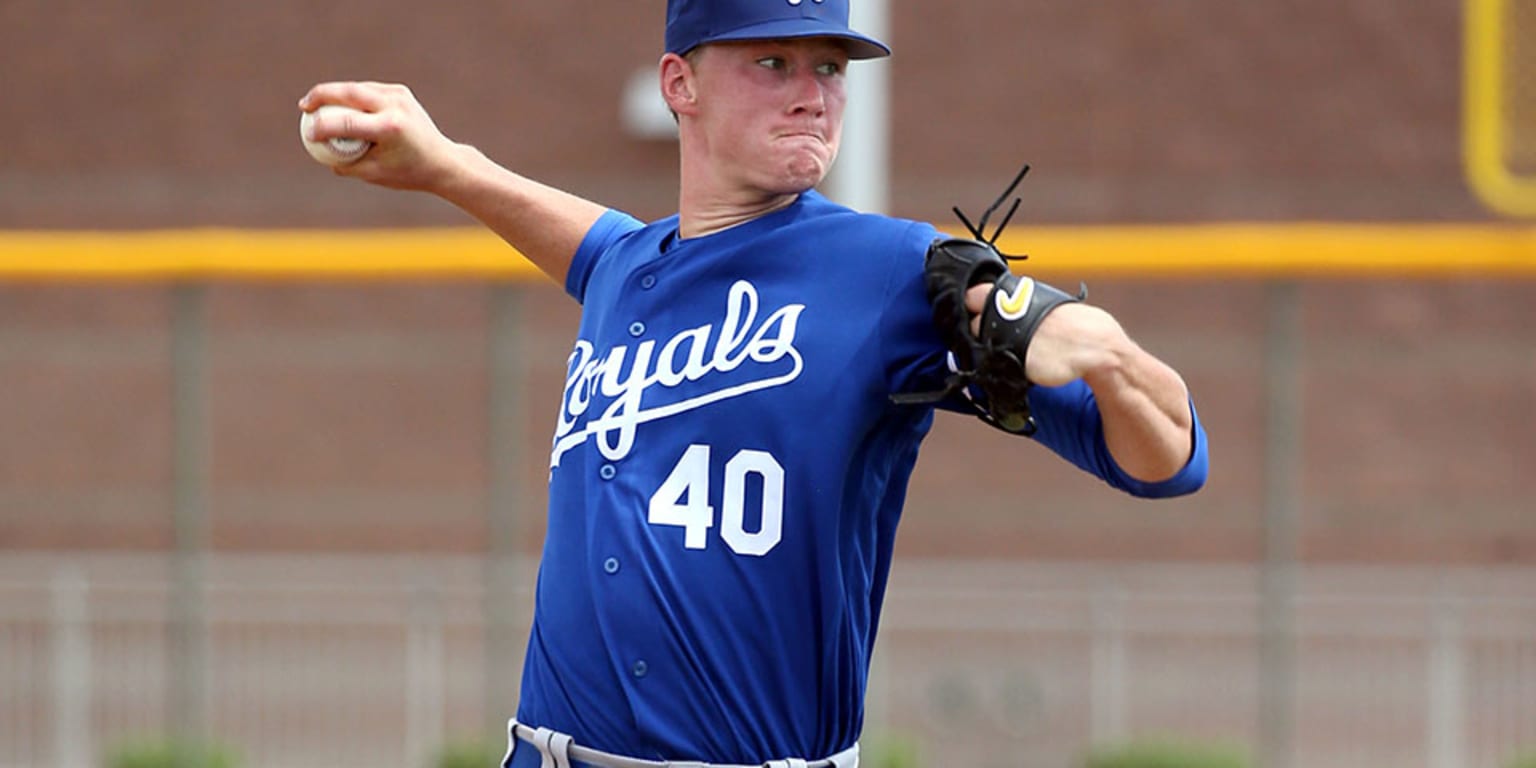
(746,396)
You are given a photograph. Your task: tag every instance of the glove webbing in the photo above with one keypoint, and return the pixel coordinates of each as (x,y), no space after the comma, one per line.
(1008,323)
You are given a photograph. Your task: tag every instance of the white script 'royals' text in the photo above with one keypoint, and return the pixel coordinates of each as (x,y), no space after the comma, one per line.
(743,355)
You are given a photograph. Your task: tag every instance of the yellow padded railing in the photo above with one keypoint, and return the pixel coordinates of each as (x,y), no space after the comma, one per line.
(1195,250)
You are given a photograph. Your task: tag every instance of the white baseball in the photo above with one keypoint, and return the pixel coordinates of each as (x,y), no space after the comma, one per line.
(336,151)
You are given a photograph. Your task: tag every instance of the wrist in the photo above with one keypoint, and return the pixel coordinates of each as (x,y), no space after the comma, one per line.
(463,171)
(1104,349)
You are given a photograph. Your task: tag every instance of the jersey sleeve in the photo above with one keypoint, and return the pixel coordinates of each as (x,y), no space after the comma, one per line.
(1070,425)
(914,353)
(608,228)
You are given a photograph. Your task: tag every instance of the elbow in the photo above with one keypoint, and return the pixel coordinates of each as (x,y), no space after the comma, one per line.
(1187,479)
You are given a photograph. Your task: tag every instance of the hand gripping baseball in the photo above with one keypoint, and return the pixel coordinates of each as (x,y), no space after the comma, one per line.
(408,151)
(991,359)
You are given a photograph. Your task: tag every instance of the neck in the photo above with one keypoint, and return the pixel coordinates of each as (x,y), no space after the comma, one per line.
(710,203)
(708,215)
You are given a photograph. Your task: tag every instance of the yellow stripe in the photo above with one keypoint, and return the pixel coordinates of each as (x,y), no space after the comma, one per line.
(1276,250)
(1235,250)
(277,254)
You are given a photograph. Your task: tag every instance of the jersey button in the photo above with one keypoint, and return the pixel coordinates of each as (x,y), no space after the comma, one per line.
(648,282)
(636,328)
(640,668)
(607,471)
(611,565)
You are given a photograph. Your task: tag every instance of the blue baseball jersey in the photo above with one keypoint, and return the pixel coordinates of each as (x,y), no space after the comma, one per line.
(726,478)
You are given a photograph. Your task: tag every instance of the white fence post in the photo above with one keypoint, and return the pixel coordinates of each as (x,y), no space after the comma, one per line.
(71,670)
(861,177)
(1446,727)
(423,675)
(1106,668)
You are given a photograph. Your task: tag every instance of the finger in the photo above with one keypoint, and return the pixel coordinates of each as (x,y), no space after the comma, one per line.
(350,124)
(367,96)
(320,94)
(976,297)
(335,92)
(975,302)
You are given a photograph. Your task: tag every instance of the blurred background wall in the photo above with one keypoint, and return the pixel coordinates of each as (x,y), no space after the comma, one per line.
(300,515)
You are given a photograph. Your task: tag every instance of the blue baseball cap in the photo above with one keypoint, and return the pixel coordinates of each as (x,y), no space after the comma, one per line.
(691,23)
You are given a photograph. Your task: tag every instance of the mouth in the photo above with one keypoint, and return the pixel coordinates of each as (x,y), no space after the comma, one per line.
(806,135)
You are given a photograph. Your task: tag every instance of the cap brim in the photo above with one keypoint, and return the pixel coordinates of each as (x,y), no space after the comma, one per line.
(859,46)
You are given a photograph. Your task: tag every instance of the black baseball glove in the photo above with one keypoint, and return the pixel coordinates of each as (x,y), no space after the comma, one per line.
(989,366)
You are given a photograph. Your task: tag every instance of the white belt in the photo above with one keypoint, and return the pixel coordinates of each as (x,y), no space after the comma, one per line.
(558,752)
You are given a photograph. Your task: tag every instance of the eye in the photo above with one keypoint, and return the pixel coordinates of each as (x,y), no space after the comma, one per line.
(771,62)
(829,68)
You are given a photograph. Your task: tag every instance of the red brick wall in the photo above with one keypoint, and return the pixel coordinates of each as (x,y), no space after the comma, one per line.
(164,113)
(355,417)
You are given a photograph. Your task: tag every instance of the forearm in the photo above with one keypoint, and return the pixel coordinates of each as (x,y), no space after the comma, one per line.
(1143,403)
(1144,407)
(545,225)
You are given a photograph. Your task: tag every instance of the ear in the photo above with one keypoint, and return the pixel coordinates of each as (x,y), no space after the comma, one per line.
(679,84)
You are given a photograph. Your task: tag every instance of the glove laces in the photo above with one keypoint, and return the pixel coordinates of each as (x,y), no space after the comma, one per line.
(976,229)
(958,380)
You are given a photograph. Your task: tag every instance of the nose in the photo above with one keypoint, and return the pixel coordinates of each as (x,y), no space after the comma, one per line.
(809,94)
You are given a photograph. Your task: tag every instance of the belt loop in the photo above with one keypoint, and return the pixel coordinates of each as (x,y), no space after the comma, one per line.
(560,749)
(848,758)
(541,737)
(511,741)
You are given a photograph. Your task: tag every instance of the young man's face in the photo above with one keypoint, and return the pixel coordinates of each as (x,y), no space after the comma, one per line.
(772,111)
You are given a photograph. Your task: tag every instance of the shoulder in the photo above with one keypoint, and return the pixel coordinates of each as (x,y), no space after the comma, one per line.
(878,239)
(616,229)
(614,234)
(817,207)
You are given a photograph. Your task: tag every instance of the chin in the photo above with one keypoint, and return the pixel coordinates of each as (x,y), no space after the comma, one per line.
(804,173)
(796,185)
